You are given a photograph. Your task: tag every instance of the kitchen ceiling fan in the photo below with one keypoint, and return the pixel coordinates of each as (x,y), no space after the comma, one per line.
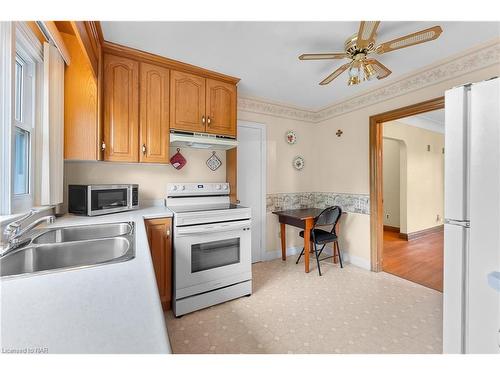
(360,46)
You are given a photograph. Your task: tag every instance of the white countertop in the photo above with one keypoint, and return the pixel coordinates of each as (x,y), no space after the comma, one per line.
(114,308)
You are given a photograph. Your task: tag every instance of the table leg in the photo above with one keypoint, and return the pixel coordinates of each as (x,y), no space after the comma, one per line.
(336,245)
(283,242)
(307,242)
(335,252)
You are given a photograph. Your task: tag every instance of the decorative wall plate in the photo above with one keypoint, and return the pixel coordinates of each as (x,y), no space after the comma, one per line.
(291,137)
(213,162)
(298,163)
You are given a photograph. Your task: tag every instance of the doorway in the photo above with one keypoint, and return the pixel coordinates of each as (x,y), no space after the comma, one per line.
(376,172)
(413,198)
(251,159)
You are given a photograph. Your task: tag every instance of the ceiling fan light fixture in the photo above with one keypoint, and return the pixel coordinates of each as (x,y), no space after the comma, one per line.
(354,80)
(354,74)
(359,47)
(369,71)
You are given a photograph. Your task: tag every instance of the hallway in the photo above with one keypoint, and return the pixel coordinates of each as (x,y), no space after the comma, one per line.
(419,260)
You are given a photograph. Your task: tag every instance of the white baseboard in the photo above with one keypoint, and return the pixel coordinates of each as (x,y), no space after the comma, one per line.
(295,250)
(356,261)
(276,254)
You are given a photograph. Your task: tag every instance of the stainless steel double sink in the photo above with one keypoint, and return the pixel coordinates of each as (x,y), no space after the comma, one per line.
(72,247)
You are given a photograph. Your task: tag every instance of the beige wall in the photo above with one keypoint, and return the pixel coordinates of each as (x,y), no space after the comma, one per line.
(282,177)
(348,156)
(152,178)
(391,174)
(424,175)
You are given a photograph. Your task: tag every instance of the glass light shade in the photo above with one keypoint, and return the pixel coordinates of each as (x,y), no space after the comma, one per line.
(353,71)
(369,71)
(354,80)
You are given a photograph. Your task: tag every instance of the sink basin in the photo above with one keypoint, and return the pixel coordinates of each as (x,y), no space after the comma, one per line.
(84,232)
(57,256)
(71,248)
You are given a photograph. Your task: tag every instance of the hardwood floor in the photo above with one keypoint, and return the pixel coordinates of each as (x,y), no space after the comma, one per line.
(419,260)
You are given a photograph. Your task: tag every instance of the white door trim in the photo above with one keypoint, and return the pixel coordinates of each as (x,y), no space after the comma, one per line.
(263,150)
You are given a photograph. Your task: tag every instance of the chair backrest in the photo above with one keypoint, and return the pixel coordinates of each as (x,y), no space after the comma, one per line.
(329,216)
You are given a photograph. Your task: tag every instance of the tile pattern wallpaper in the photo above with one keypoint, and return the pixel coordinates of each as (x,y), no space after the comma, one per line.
(347,310)
(355,203)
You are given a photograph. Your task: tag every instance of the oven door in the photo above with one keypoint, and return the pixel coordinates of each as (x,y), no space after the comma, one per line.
(211,256)
(108,199)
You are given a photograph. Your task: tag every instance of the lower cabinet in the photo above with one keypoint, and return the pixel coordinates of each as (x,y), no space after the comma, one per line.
(159,233)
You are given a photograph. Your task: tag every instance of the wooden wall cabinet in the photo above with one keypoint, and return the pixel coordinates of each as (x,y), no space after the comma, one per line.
(199,104)
(187,102)
(136,123)
(121,103)
(121,109)
(82,89)
(154,114)
(159,232)
(221,108)
(81,132)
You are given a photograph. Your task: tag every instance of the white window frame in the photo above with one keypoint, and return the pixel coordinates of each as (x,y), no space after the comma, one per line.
(18,39)
(23,202)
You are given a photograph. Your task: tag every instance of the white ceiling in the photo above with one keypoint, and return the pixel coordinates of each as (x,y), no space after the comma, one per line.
(433,121)
(264,54)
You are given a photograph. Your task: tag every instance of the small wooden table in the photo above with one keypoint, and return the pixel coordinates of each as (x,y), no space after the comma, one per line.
(301,218)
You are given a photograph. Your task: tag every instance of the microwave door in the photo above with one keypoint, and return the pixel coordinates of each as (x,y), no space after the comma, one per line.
(104,201)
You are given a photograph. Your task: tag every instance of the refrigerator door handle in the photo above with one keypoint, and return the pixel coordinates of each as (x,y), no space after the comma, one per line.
(462,223)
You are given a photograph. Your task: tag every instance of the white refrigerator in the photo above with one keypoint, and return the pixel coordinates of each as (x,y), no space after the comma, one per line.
(471,296)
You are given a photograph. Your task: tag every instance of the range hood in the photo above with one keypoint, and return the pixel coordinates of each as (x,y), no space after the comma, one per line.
(201,140)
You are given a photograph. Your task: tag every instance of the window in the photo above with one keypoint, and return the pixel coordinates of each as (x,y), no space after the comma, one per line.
(21,172)
(22,66)
(23,131)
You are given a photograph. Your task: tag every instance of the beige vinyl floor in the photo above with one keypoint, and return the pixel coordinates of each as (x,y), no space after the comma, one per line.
(349,310)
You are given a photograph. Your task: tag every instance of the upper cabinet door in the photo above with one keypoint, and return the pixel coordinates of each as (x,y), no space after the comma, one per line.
(221,108)
(121,107)
(187,102)
(154,119)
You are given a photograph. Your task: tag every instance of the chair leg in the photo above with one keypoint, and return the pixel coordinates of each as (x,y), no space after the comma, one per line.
(317,257)
(301,253)
(321,250)
(340,255)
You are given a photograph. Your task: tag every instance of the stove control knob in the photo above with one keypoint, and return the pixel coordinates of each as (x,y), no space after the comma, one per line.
(173,188)
(182,187)
(224,186)
(217,187)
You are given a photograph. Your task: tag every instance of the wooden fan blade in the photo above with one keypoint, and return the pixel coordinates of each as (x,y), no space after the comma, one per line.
(381,70)
(335,74)
(367,33)
(421,36)
(322,56)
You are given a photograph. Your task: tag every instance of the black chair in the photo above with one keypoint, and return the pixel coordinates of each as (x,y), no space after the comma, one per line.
(329,216)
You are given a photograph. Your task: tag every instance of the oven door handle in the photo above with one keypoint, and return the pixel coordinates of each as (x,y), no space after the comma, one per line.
(211,228)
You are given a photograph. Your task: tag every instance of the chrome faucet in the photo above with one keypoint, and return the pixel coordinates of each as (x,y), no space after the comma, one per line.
(14,233)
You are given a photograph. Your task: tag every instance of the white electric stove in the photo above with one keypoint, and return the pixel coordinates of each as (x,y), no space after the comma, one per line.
(212,246)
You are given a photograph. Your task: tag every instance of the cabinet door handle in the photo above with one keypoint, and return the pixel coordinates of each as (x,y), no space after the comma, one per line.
(144,149)
(103,146)
(203,119)
(209,120)
(167,232)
